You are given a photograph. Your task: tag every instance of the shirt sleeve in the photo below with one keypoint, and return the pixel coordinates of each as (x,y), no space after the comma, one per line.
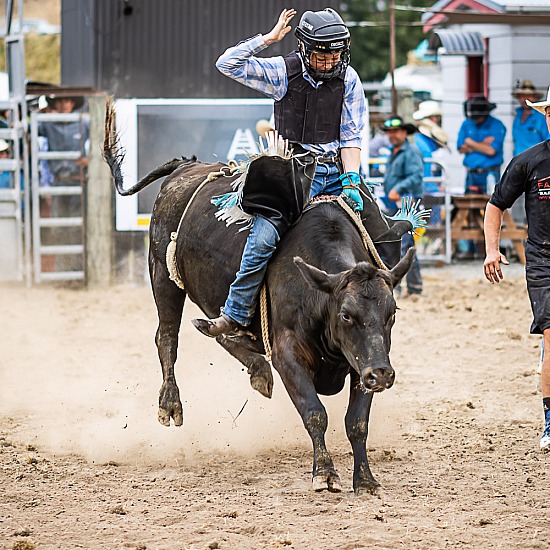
(461,136)
(413,173)
(511,185)
(354,110)
(265,75)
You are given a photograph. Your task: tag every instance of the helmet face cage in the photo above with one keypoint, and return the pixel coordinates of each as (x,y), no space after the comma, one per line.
(323,33)
(324,68)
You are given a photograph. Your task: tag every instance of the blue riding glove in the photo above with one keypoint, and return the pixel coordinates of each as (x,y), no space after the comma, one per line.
(350,188)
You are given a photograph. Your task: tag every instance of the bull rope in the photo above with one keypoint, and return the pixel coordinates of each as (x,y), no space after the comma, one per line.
(171,263)
(366,238)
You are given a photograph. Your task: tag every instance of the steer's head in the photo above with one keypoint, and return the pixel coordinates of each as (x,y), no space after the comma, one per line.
(361,314)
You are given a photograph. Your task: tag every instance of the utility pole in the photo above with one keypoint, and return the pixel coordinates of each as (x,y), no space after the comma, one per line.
(392,59)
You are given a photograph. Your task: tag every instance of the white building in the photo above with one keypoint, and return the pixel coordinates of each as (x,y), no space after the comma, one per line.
(485,46)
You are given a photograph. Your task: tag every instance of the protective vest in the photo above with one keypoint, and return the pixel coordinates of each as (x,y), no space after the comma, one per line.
(307,114)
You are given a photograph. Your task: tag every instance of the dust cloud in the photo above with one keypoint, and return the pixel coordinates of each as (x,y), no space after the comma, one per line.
(80,368)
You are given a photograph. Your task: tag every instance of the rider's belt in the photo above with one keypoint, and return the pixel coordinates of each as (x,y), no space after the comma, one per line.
(483,170)
(333,159)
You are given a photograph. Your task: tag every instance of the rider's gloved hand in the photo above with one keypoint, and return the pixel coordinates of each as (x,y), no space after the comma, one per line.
(350,188)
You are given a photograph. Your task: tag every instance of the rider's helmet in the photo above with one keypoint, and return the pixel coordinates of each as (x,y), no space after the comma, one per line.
(323,32)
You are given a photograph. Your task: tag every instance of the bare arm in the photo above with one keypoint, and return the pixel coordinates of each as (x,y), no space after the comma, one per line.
(351,158)
(493,258)
(281,29)
(484,146)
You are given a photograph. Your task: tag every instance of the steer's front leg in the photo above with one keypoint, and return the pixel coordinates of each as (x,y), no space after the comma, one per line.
(301,390)
(357,429)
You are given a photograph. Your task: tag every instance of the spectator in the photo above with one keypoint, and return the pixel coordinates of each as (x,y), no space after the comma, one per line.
(65,136)
(528,174)
(379,147)
(481,141)
(432,141)
(403,178)
(529,126)
(5,176)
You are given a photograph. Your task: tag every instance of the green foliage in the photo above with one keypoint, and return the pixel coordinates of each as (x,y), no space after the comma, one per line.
(42,57)
(370,46)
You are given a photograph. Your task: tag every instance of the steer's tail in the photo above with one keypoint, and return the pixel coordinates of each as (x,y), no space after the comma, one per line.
(113,154)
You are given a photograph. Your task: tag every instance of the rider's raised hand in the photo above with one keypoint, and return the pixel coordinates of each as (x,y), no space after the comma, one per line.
(281,29)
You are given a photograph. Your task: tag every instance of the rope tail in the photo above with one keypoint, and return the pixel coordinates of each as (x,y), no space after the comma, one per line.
(113,154)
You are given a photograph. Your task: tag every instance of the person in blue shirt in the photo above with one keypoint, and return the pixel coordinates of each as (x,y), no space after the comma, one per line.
(403,178)
(481,141)
(431,140)
(320,108)
(529,126)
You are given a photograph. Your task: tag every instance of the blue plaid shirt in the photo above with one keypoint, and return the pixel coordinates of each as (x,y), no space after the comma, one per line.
(268,76)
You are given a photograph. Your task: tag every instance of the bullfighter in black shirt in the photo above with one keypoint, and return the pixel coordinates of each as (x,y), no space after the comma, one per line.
(528,173)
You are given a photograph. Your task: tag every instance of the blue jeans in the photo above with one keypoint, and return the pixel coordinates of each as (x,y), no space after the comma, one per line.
(260,245)
(477,183)
(326,181)
(413,277)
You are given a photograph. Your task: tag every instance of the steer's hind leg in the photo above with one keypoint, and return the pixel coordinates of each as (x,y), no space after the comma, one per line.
(357,428)
(169,299)
(261,377)
(301,390)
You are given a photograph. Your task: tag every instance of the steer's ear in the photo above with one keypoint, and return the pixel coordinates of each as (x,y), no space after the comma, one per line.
(316,278)
(400,270)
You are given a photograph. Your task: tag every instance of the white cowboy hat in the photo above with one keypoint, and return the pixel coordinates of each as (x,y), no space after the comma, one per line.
(540,106)
(4,145)
(430,129)
(427,109)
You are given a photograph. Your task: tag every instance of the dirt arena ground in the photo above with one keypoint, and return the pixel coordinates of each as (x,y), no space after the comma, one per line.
(84,463)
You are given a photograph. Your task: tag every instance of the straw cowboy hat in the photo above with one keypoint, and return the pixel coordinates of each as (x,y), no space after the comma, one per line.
(427,109)
(430,129)
(525,87)
(541,105)
(396,122)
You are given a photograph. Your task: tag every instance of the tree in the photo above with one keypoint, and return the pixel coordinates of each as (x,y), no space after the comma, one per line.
(370,46)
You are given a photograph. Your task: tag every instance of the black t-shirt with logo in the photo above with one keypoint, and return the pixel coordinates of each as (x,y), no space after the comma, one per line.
(529,173)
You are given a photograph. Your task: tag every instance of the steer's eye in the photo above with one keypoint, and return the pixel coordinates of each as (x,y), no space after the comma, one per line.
(346,317)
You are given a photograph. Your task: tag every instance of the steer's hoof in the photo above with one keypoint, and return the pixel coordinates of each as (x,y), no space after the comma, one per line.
(261,379)
(164,417)
(370,487)
(330,481)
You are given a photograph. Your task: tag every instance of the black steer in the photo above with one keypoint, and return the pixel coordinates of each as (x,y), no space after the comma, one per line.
(331,310)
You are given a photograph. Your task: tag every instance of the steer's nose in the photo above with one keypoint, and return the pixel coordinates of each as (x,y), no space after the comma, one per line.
(378,379)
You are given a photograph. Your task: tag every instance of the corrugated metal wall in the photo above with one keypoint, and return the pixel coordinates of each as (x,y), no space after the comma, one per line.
(164,48)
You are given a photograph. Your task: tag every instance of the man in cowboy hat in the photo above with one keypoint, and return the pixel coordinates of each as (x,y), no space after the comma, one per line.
(528,173)
(403,178)
(431,140)
(529,127)
(481,141)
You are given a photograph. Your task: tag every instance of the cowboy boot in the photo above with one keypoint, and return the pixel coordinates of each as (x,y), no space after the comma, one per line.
(216,327)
